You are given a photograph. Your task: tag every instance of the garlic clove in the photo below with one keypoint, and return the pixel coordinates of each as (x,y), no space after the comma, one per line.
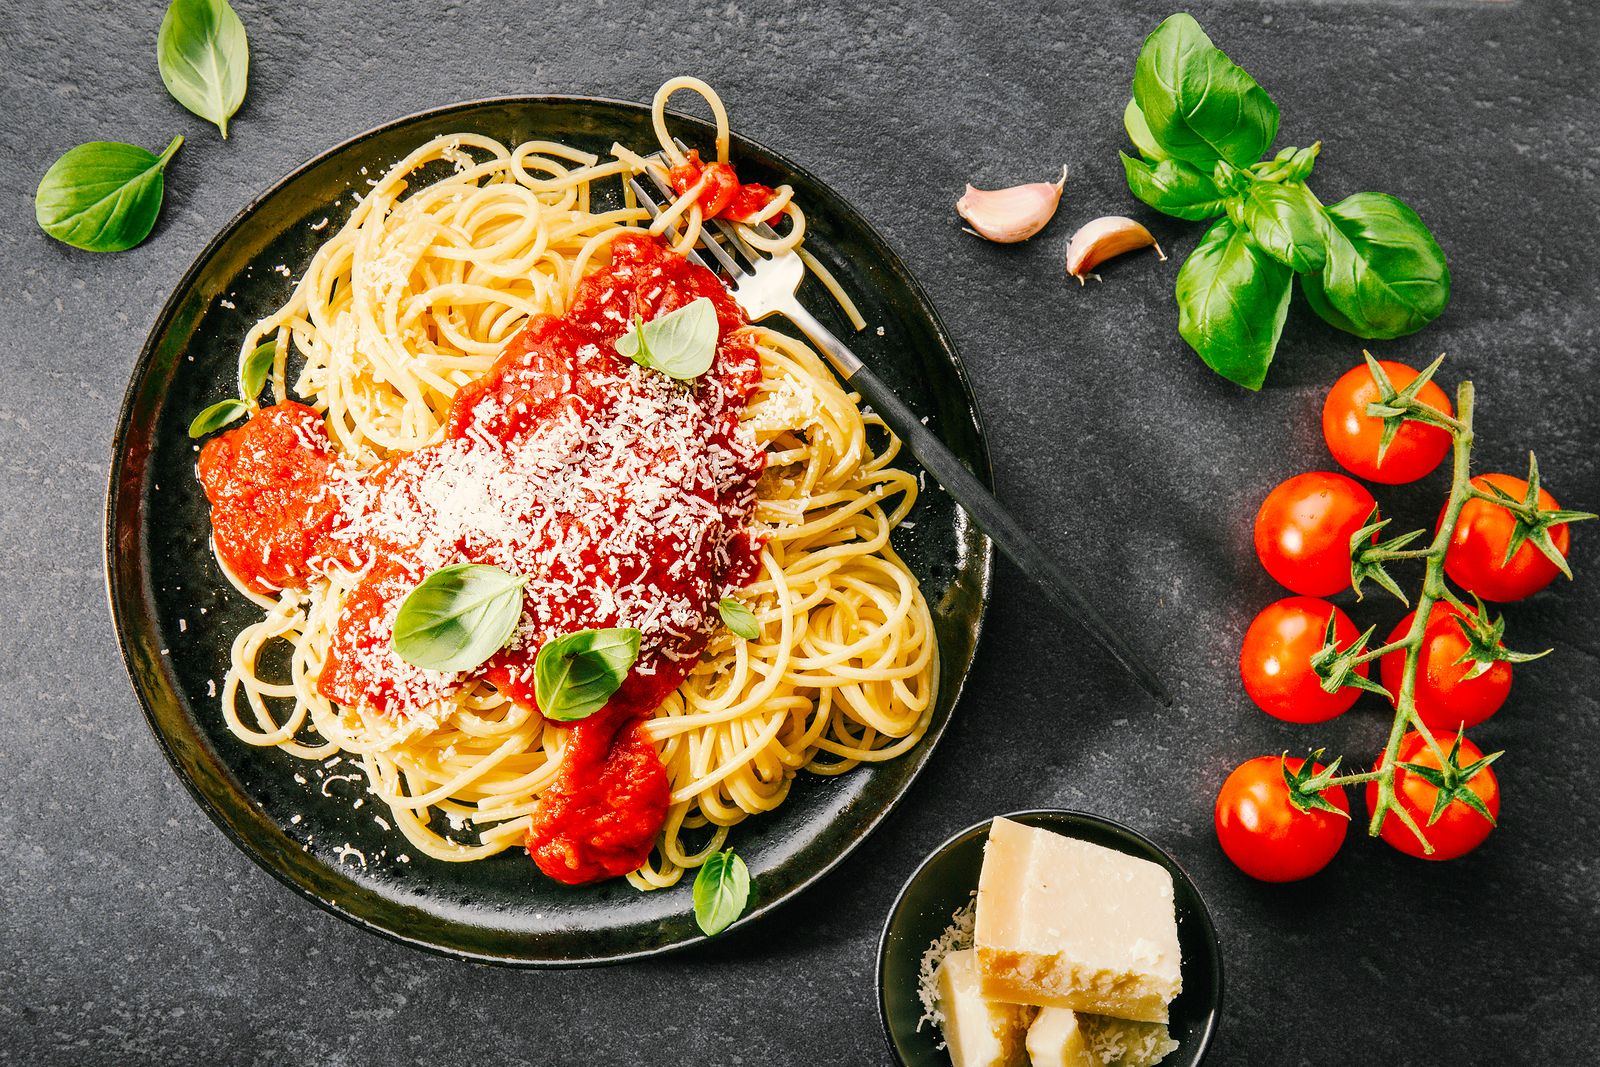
(1011,215)
(1097,241)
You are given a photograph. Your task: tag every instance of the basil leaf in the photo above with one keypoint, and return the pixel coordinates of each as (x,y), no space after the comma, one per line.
(253,374)
(204,58)
(679,344)
(1199,105)
(575,674)
(721,891)
(1139,133)
(1232,299)
(738,618)
(1287,222)
(103,196)
(217,416)
(1174,187)
(1385,274)
(457,617)
(1301,164)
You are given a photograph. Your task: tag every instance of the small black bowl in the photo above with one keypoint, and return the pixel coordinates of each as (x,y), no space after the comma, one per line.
(945,883)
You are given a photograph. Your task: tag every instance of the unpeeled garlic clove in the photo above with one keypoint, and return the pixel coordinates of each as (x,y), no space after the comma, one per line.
(1011,215)
(1097,241)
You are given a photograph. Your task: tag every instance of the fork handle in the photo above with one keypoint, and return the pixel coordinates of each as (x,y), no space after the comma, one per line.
(979,504)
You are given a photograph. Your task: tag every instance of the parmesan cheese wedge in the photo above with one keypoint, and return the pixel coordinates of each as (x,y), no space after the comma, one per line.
(1061,1037)
(1069,924)
(979,1032)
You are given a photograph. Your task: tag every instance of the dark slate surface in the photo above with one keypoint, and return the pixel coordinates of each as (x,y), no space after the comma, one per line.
(133,932)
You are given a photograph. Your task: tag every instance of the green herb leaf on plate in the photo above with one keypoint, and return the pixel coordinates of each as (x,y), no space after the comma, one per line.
(721,891)
(103,196)
(575,674)
(1385,275)
(253,372)
(217,416)
(1173,187)
(1286,221)
(738,618)
(204,58)
(1197,103)
(679,344)
(1232,300)
(457,617)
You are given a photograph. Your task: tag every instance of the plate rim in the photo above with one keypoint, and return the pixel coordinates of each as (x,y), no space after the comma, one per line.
(122,625)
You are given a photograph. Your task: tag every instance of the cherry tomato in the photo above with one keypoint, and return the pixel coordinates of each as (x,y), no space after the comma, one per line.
(1275,661)
(1353,435)
(1476,558)
(1445,697)
(1304,527)
(1460,828)
(1265,834)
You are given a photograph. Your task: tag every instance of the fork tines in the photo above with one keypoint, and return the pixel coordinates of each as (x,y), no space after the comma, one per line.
(707,241)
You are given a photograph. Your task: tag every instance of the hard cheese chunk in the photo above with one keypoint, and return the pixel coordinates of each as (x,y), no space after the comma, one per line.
(1068,924)
(979,1032)
(1061,1037)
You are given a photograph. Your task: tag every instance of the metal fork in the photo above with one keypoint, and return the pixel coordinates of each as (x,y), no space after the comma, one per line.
(766,285)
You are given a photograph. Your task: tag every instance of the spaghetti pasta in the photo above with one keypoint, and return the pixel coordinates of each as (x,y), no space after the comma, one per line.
(438,267)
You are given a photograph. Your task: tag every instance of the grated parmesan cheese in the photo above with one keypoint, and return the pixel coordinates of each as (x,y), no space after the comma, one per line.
(955,938)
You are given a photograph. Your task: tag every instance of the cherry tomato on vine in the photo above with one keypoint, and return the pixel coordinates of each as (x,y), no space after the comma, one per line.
(1275,660)
(1460,827)
(1444,696)
(1354,437)
(1266,833)
(1304,527)
(1476,558)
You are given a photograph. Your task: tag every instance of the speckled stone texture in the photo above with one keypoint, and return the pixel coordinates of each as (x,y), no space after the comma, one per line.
(132,932)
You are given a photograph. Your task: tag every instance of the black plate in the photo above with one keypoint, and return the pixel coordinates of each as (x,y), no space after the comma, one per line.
(945,882)
(175,614)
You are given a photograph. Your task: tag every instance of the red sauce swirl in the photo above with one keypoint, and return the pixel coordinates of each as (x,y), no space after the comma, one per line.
(624,496)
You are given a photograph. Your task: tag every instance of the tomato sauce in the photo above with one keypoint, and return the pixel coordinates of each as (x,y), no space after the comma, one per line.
(724,195)
(663,472)
(267,482)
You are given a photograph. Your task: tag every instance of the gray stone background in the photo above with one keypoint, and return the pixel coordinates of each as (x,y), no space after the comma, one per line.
(132,932)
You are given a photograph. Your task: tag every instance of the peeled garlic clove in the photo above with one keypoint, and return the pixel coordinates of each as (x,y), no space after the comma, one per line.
(1014,214)
(1102,239)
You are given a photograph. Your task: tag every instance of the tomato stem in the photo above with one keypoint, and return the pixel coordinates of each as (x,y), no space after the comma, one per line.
(1434,589)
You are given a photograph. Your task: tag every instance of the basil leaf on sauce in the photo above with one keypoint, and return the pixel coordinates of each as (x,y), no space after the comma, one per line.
(457,617)
(253,374)
(721,891)
(575,674)
(103,196)
(679,344)
(217,416)
(738,618)
(204,58)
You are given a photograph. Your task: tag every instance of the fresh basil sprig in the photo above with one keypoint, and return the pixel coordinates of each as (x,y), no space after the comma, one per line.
(1201,124)
(575,674)
(457,617)
(103,196)
(204,58)
(738,618)
(679,344)
(721,891)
